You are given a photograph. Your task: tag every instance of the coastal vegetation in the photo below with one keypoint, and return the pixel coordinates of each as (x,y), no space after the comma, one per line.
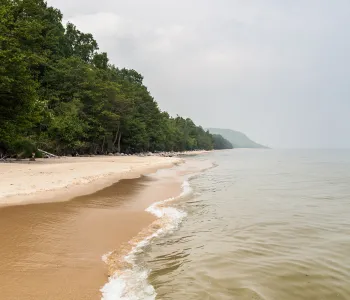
(220,142)
(60,94)
(236,138)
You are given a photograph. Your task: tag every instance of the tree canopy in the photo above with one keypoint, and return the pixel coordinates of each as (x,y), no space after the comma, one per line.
(59,93)
(221,143)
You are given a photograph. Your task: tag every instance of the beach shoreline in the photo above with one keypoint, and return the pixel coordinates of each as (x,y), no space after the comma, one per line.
(56,248)
(64,178)
(54,180)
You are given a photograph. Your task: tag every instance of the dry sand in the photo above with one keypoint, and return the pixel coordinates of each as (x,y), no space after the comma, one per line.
(51,249)
(48,180)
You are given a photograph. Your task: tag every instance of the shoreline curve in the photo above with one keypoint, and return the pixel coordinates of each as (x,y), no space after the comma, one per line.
(59,180)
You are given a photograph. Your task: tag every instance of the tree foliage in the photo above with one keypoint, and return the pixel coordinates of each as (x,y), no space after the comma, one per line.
(221,143)
(58,92)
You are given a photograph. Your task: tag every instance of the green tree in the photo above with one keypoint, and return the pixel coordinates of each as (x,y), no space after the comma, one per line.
(58,92)
(221,143)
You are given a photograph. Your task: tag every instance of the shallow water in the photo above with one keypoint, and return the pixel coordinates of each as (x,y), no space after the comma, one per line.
(263,224)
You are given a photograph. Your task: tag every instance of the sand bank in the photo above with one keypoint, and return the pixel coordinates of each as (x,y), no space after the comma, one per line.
(49,180)
(54,250)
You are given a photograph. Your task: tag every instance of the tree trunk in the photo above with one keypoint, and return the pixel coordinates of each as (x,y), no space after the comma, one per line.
(103,144)
(119,138)
(116,136)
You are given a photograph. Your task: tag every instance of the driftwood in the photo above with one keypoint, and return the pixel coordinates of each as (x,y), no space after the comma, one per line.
(3,157)
(47,153)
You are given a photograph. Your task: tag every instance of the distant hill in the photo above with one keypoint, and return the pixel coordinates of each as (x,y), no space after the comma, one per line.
(236,138)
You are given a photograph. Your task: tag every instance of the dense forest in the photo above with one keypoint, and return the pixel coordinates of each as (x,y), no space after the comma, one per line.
(219,142)
(60,94)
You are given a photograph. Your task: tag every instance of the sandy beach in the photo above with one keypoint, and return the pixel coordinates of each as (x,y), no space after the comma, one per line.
(47,180)
(52,248)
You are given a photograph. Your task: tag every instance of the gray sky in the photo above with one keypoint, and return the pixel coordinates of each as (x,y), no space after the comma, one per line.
(278,71)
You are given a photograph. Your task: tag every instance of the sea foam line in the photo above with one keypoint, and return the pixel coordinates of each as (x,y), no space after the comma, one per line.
(132,283)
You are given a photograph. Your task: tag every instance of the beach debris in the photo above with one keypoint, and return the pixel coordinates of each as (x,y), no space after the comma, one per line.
(3,158)
(47,154)
(33,157)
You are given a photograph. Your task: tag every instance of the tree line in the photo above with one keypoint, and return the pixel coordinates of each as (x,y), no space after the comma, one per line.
(59,93)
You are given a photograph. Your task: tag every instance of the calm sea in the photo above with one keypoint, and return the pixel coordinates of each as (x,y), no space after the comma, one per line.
(262,224)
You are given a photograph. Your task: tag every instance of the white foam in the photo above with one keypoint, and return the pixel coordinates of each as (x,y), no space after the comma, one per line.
(132,284)
(105,256)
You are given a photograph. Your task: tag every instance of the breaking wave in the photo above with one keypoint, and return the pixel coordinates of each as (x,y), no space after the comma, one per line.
(131,282)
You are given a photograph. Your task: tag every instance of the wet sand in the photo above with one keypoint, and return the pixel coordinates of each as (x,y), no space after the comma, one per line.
(52,180)
(53,251)
(52,248)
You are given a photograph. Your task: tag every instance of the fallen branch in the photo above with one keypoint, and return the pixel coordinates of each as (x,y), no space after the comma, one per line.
(47,153)
(3,158)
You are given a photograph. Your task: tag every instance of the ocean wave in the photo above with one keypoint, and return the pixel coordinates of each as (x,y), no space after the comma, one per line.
(132,283)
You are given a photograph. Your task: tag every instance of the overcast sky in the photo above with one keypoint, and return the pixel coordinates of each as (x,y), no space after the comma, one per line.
(278,71)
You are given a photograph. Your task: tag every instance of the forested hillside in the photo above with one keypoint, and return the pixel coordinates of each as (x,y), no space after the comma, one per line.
(59,93)
(236,138)
(221,143)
